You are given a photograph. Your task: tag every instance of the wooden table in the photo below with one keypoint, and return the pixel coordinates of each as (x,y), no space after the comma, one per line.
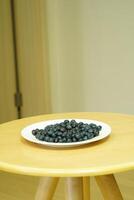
(100,159)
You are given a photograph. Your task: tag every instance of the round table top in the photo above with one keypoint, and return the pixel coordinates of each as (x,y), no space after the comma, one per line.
(110,155)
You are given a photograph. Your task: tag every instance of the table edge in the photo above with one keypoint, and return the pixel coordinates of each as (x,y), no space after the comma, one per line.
(65,172)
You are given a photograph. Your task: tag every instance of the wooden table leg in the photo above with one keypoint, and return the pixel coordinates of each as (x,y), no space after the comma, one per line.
(46,188)
(86,188)
(74,189)
(109,187)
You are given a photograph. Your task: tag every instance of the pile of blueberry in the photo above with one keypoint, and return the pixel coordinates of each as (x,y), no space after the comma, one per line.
(67,131)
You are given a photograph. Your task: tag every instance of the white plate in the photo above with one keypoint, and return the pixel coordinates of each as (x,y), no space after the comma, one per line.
(27,132)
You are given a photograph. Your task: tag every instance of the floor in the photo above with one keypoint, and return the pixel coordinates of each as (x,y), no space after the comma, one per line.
(16,187)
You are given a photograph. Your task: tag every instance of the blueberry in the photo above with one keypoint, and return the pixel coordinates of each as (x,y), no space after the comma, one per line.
(80,124)
(83,133)
(41,137)
(78,136)
(50,132)
(56,140)
(66,121)
(54,129)
(74,131)
(43,132)
(85,138)
(68,135)
(64,139)
(90,130)
(46,138)
(58,127)
(90,135)
(53,135)
(59,137)
(69,140)
(51,139)
(68,127)
(74,139)
(62,129)
(93,125)
(37,135)
(96,133)
(34,132)
(47,129)
(99,128)
(64,134)
(59,133)
(73,123)
(86,128)
(62,124)
(83,128)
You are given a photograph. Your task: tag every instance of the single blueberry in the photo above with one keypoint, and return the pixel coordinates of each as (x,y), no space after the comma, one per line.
(85,138)
(66,121)
(46,138)
(34,132)
(51,139)
(69,140)
(68,127)
(56,140)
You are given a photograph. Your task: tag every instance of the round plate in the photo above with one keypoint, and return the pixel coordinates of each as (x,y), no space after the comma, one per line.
(27,132)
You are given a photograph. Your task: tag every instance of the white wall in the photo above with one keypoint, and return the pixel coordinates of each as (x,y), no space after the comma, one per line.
(65,50)
(109,55)
(91,50)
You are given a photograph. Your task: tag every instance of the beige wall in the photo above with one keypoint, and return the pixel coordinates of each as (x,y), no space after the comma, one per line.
(91,55)
(109,48)
(65,54)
